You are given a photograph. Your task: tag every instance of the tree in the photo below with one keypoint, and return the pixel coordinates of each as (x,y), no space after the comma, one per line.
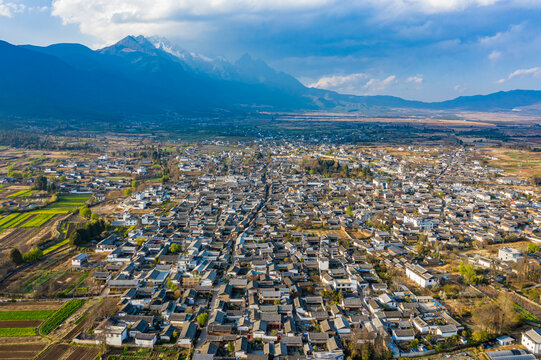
(498,316)
(16,257)
(135,184)
(94,217)
(202,319)
(533,248)
(171,286)
(468,272)
(480,336)
(127,192)
(85,212)
(40,183)
(174,248)
(51,188)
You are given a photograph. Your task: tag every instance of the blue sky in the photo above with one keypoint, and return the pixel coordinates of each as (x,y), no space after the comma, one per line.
(417,49)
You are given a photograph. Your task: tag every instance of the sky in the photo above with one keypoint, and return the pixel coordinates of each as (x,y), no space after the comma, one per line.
(427,50)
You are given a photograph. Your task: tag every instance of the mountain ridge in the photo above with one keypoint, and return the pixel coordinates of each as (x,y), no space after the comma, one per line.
(153,77)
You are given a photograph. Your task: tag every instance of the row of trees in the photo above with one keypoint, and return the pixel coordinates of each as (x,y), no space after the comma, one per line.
(29,256)
(87,232)
(41,183)
(333,168)
(496,317)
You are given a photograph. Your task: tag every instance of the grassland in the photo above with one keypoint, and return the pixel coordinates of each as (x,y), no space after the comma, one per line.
(17,332)
(25,315)
(510,159)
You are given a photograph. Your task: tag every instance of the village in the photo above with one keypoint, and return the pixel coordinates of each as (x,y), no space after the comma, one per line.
(278,250)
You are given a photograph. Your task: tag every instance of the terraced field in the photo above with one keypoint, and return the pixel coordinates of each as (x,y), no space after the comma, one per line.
(23,193)
(14,220)
(64,204)
(20,351)
(69,352)
(22,323)
(38,220)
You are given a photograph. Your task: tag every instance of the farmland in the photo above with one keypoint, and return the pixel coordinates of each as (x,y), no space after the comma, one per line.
(21,320)
(64,204)
(38,220)
(69,352)
(24,220)
(23,193)
(14,220)
(20,351)
(60,315)
(17,332)
(25,315)
(55,246)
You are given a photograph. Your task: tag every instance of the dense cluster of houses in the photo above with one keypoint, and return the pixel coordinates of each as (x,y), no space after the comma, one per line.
(256,259)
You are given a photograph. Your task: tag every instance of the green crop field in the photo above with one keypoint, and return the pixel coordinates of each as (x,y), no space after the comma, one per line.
(17,332)
(60,315)
(25,315)
(23,193)
(7,219)
(64,204)
(14,220)
(55,246)
(38,220)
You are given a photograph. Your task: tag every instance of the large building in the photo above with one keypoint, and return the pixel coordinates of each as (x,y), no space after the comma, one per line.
(509,255)
(420,276)
(531,340)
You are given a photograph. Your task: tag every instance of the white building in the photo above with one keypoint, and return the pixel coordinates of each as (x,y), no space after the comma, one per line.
(509,254)
(420,276)
(79,260)
(531,340)
(115,335)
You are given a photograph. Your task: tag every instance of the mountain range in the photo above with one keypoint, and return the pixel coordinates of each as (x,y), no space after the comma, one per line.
(141,76)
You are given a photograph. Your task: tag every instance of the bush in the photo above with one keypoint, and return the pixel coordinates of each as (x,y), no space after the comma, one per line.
(85,212)
(32,255)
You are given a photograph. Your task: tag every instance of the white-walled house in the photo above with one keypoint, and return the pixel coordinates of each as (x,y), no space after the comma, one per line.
(420,276)
(531,340)
(115,335)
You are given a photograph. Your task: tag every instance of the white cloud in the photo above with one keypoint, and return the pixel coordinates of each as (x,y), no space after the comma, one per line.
(495,55)
(432,6)
(417,79)
(110,20)
(8,8)
(358,83)
(459,89)
(534,72)
(531,72)
(339,81)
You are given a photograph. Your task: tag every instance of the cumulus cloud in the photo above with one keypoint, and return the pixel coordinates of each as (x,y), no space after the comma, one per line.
(8,8)
(416,79)
(357,84)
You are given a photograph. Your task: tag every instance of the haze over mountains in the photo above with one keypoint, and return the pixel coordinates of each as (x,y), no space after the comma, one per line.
(149,77)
